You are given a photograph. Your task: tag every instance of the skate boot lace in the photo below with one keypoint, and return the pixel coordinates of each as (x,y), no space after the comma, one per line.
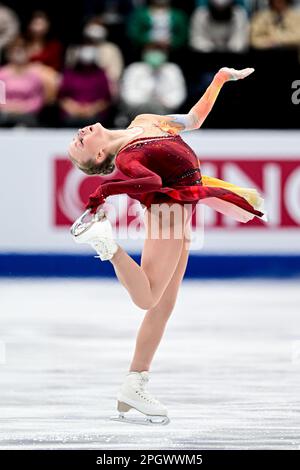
(146,396)
(99,215)
(100,246)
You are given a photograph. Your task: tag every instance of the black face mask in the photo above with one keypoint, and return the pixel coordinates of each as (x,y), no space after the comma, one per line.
(221,14)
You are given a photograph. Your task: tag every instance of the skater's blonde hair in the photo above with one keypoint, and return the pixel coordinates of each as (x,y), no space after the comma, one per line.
(91,168)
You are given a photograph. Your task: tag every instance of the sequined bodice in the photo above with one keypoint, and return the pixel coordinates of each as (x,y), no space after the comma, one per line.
(168,156)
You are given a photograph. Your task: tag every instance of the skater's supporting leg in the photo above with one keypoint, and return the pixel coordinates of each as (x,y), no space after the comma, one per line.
(146,283)
(155,320)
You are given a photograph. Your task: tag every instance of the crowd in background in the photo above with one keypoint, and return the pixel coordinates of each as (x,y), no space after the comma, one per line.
(156,56)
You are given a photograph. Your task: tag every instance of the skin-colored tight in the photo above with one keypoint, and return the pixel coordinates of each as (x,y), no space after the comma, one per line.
(154,285)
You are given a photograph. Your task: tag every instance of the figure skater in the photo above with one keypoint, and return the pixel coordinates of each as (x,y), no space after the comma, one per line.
(159,168)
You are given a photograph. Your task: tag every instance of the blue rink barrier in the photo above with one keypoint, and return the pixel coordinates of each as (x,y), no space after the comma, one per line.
(199,266)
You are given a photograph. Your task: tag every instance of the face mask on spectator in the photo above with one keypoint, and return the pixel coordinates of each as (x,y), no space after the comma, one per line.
(87,55)
(18,56)
(95,32)
(155,58)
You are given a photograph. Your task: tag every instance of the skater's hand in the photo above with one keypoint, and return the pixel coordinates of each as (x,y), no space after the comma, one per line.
(233,74)
(95,200)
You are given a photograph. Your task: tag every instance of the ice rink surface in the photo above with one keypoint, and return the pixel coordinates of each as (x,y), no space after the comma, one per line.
(228,368)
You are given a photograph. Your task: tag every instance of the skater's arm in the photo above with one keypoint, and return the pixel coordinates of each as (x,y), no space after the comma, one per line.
(199,112)
(143,181)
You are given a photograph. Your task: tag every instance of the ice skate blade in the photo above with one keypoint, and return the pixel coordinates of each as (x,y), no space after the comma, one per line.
(80,226)
(147,420)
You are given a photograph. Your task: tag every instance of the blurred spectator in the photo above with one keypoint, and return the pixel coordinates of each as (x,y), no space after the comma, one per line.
(9,26)
(247,4)
(158,23)
(84,94)
(24,88)
(42,48)
(153,85)
(221,27)
(277,26)
(263,4)
(50,79)
(114,14)
(108,55)
(114,11)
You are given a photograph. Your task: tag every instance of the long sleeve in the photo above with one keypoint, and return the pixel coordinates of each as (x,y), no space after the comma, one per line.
(65,90)
(139,25)
(267,31)
(142,180)
(136,85)
(172,87)
(239,37)
(201,38)
(9,25)
(289,34)
(111,60)
(262,27)
(179,22)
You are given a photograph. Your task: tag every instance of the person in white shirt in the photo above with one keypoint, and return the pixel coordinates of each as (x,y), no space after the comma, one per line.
(222,26)
(9,27)
(153,85)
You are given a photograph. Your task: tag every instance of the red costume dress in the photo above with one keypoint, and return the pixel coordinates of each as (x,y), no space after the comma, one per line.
(163,169)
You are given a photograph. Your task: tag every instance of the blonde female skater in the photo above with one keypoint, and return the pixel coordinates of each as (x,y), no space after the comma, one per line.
(159,169)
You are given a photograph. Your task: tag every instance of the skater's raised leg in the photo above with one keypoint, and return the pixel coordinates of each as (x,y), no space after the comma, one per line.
(147,283)
(161,252)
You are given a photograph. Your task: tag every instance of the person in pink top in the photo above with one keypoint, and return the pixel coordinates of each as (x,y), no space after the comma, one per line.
(84,93)
(24,88)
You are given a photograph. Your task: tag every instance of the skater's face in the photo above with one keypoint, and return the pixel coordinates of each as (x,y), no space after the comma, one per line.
(88,145)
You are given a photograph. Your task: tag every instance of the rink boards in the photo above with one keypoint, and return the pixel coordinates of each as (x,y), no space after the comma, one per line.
(42,193)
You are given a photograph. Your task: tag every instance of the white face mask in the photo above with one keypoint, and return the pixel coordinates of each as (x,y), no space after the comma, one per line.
(87,54)
(95,32)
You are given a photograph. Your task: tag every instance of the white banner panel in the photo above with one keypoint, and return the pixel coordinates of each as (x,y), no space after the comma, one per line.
(42,193)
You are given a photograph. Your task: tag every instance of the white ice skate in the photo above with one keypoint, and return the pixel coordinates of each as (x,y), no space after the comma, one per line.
(132,395)
(97,232)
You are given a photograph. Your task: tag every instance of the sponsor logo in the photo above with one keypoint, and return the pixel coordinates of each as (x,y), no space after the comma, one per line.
(277,182)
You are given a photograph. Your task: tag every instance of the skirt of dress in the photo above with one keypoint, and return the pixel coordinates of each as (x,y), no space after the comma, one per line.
(242,204)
